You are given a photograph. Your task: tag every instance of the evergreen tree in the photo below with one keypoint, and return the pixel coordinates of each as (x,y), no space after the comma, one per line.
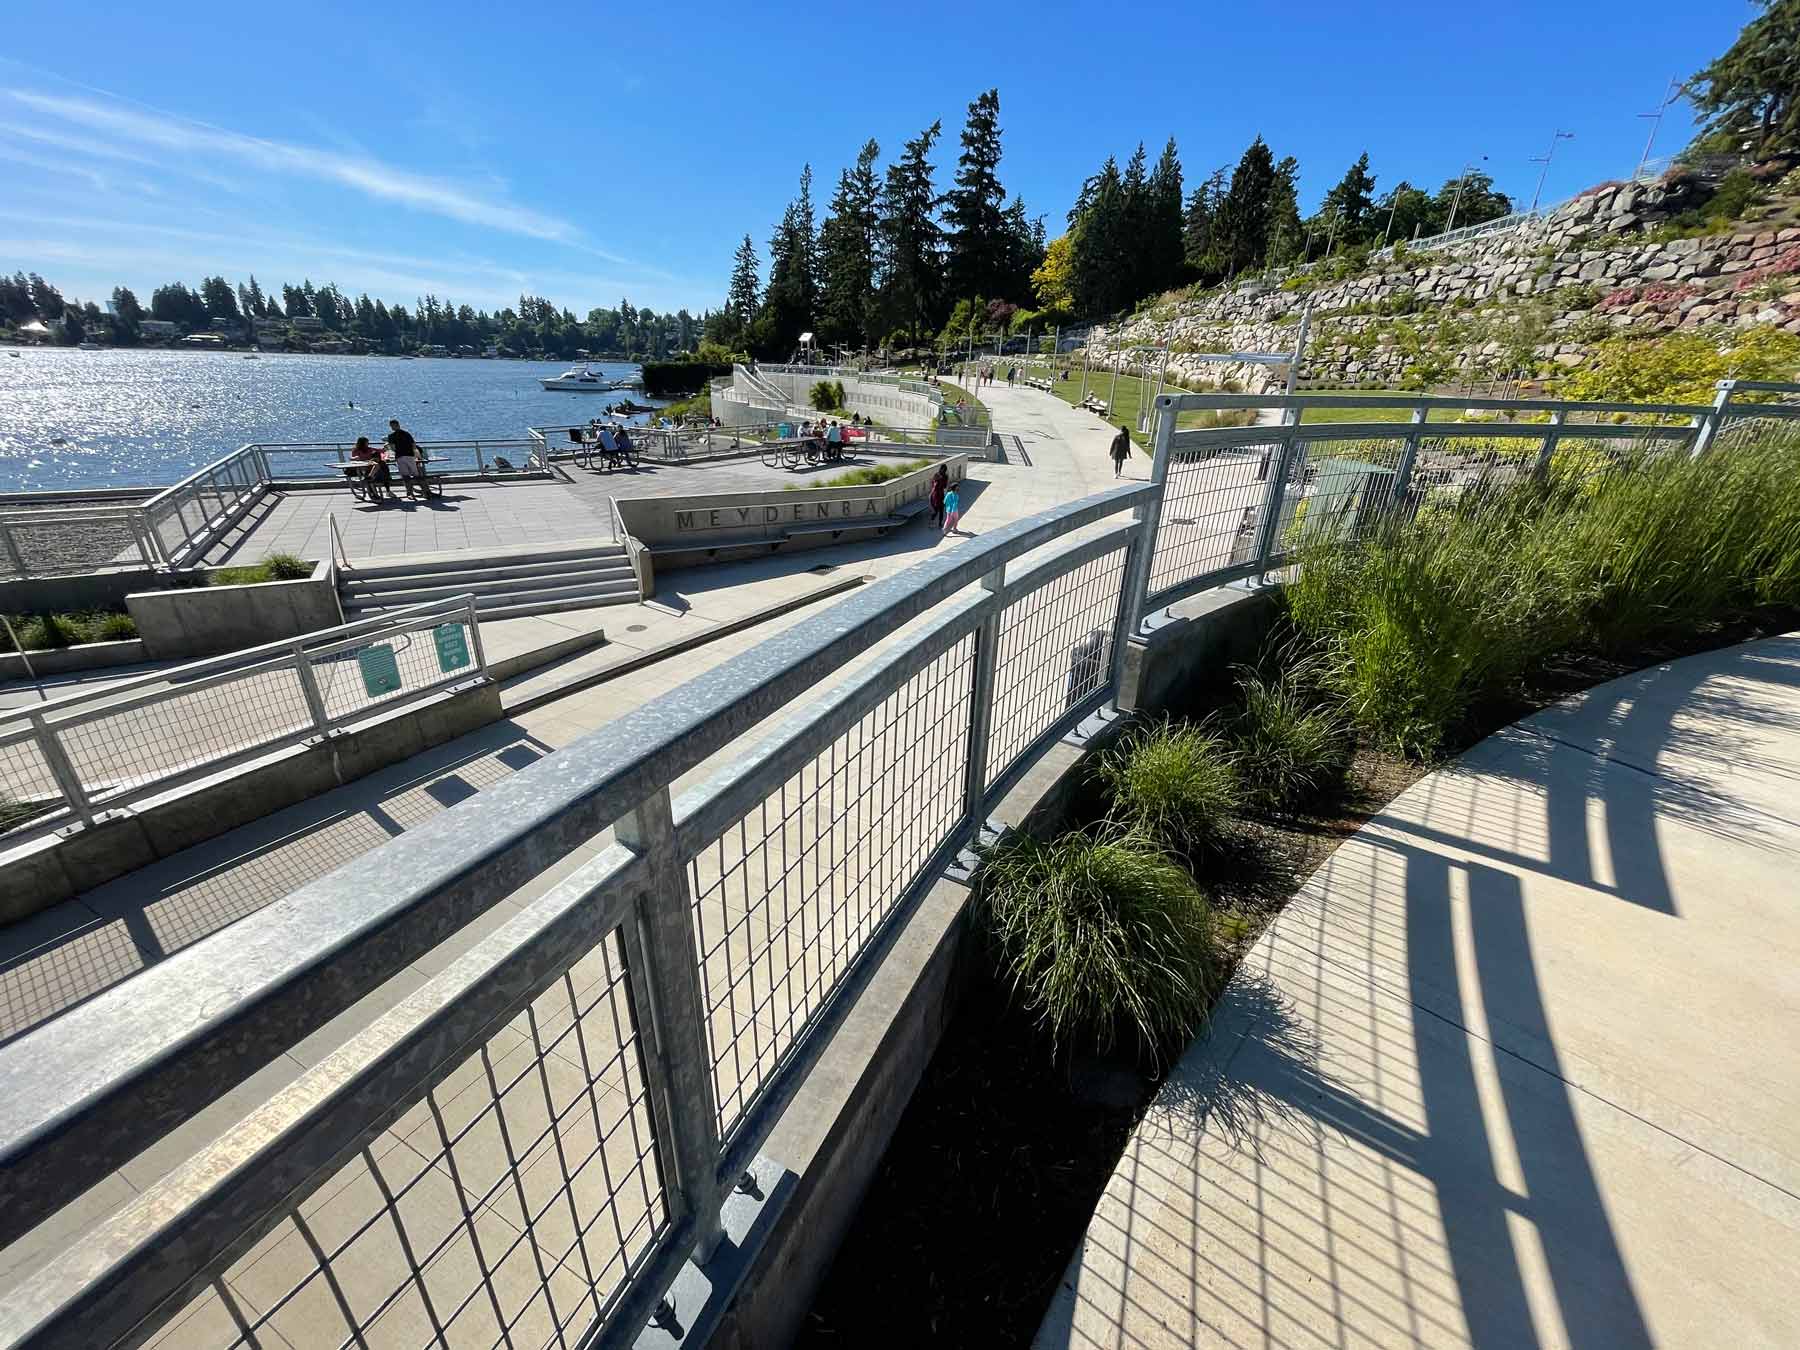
(1134,223)
(1099,251)
(47,300)
(847,244)
(1351,204)
(1473,200)
(1200,228)
(911,239)
(126,314)
(1024,249)
(1286,234)
(1162,245)
(981,258)
(1751,94)
(741,296)
(787,309)
(220,299)
(1244,215)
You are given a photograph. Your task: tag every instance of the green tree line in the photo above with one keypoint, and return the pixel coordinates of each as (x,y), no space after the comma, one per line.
(535,325)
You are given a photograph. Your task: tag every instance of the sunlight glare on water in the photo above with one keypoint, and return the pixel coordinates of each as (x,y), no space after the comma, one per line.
(71,419)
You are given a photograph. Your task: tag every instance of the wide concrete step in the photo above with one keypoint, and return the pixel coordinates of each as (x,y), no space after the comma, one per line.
(550,555)
(439,585)
(551,588)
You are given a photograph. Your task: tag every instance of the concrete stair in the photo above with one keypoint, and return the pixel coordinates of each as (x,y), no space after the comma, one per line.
(575,576)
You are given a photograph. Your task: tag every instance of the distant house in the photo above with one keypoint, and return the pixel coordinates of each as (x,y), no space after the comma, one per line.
(432,349)
(203,340)
(156,328)
(230,329)
(307,323)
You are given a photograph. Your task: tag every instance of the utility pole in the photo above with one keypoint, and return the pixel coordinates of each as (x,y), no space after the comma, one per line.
(1087,356)
(1395,206)
(1656,124)
(1545,159)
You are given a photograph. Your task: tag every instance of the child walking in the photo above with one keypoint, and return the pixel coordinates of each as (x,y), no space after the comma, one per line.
(952,509)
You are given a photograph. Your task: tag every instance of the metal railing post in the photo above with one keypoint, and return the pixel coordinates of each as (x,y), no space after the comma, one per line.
(1149,521)
(1409,451)
(475,635)
(62,769)
(1713,420)
(1551,437)
(1281,466)
(337,538)
(12,550)
(480,459)
(309,686)
(981,702)
(665,982)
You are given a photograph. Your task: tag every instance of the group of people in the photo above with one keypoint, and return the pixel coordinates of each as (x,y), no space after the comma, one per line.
(612,438)
(399,448)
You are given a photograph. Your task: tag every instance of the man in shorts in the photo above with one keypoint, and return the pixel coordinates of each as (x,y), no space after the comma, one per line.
(406,457)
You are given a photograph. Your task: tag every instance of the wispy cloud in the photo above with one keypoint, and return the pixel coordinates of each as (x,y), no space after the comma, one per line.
(360,173)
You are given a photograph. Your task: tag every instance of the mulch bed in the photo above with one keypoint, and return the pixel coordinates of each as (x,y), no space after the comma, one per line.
(993,1173)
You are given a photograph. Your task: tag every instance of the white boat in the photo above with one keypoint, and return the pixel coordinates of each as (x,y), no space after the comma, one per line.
(89,347)
(581,380)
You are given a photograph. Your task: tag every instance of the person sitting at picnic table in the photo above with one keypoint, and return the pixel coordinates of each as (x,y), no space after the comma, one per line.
(622,442)
(607,444)
(376,474)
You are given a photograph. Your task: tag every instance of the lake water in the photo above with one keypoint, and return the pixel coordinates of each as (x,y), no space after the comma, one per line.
(73,419)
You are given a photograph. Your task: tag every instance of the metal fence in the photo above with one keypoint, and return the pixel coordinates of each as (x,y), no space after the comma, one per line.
(175,527)
(86,753)
(530,1145)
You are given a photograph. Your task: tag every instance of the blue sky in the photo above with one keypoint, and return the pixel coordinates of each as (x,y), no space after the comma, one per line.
(587,153)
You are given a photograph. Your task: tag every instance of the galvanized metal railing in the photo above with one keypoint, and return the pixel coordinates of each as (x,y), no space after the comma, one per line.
(91,752)
(532,1144)
(488,457)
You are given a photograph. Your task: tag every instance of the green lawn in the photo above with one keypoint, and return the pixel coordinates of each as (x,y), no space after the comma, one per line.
(1125,398)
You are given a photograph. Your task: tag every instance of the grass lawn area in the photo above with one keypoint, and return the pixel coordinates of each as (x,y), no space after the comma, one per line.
(1125,400)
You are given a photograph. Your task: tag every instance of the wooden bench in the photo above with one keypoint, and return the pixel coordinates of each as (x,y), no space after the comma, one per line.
(1097,406)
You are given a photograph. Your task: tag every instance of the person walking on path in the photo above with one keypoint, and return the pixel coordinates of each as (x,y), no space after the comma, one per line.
(940,484)
(952,511)
(1121,449)
(406,455)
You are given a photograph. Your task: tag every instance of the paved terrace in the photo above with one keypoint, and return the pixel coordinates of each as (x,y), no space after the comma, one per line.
(1517,1067)
(482,517)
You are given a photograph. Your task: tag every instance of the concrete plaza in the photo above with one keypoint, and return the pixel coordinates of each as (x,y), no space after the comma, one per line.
(1517,1066)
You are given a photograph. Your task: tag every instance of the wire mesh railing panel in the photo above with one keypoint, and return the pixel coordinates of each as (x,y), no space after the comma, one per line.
(28,789)
(1056,647)
(115,750)
(356,678)
(65,542)
(508,1206)
(1760,430)
(1211,511)
(1454,467)
(1337,488)
(786,900)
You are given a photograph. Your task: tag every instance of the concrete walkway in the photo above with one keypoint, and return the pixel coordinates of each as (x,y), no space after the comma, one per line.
(1517,1067)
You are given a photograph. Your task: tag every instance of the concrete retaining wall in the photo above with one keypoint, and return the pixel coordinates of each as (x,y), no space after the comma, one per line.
(38,874)
(711,520)
(77,591)
(210,620)
(65,660)
(842,1118)
(871,398)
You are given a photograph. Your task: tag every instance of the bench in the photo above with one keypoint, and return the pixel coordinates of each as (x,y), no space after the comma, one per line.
(1097,406)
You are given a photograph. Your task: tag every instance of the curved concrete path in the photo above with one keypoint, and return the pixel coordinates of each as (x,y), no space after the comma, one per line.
(1520,1065)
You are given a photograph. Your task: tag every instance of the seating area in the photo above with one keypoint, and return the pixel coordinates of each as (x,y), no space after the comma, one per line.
(1098,406)
(1035,382)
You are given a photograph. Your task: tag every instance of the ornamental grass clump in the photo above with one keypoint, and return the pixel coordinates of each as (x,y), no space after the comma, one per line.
(1293,751)
(1176,785)
(1101,933)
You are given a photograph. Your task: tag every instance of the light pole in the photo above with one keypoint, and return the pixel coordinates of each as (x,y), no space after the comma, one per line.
(1656,124)
(1456,201)
(1545,159)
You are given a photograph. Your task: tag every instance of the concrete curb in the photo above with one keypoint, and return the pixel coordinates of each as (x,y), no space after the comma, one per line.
(576,684)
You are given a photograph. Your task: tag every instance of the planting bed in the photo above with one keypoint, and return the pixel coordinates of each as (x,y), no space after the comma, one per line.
(994,1171)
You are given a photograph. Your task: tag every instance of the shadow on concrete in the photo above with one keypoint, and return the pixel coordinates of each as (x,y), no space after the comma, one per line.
(75,950)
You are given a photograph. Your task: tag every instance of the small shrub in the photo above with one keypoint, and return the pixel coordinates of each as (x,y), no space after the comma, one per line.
(1292,751)
(1098,933)
(1177,785)
(57,630)
(113,628)
(286,567)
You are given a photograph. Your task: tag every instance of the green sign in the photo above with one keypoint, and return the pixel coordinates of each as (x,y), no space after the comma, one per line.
(452,646)
(380,671)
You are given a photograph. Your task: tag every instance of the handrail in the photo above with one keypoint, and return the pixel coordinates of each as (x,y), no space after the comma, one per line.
(230,662)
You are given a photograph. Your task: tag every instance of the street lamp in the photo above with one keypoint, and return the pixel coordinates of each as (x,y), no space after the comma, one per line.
(1456,201)
(1656,125)
(1545,159)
